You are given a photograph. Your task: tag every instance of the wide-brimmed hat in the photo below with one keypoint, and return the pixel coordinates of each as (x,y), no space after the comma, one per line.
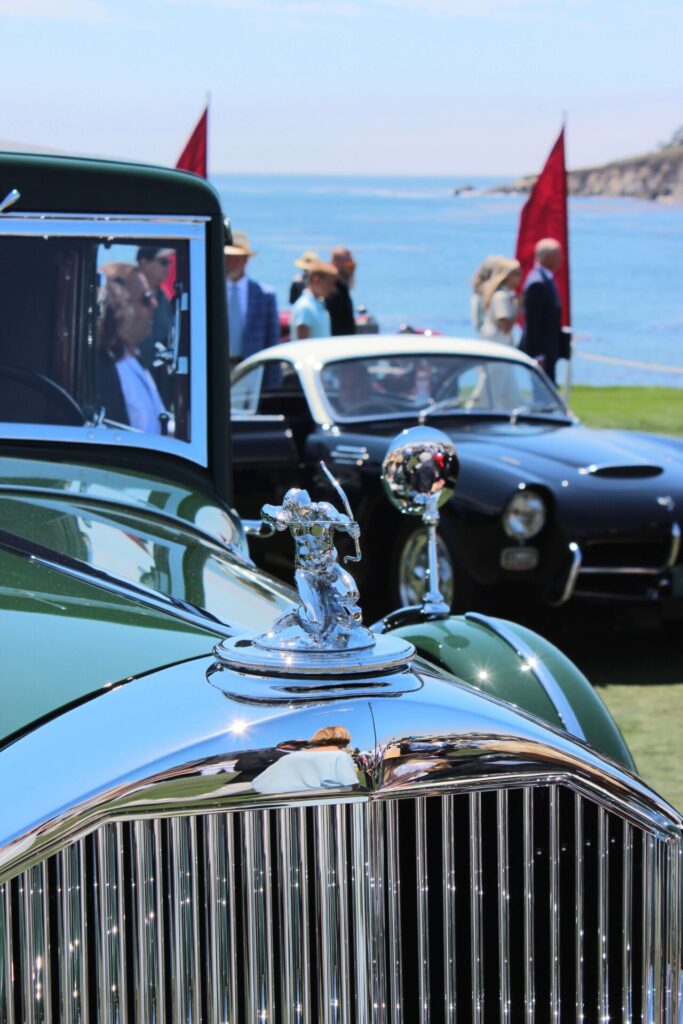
(240,245)
(304,261)
(320,267)
(503,268)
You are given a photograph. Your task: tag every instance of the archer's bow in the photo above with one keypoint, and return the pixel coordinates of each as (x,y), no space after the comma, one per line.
(345,501)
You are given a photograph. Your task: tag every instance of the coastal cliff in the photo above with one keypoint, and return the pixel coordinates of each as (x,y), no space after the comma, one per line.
(657,175)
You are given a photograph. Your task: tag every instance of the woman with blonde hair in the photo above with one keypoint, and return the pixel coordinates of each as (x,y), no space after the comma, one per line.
(499,301)
(481,276)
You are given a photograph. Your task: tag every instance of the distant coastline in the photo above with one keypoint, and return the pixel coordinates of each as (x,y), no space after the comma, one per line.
(654,176)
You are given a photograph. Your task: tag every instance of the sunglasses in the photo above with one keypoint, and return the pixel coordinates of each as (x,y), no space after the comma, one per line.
(164,260)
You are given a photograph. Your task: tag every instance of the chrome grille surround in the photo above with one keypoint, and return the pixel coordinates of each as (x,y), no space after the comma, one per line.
(528,899)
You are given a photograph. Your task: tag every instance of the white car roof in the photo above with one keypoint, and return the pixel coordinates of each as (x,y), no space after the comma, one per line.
(326,350)
(309,357)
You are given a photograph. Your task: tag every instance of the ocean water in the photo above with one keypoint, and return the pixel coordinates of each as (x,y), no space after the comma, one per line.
(417,246)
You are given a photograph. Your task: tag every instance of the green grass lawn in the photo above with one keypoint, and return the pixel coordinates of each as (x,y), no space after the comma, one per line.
(659,410)
(651,720)
(650,715)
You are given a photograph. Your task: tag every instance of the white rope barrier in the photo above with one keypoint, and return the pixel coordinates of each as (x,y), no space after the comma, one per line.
(633,363)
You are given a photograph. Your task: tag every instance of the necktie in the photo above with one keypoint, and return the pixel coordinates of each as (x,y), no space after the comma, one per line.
(234,321)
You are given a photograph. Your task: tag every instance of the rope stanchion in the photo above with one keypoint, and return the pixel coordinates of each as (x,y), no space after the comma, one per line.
(632,363)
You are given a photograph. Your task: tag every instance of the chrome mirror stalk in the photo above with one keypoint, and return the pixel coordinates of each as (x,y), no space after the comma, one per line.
(419,474)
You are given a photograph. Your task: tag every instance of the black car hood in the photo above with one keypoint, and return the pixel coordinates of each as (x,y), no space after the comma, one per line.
(543,451)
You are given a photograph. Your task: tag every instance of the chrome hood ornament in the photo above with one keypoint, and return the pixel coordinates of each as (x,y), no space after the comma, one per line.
(324,633)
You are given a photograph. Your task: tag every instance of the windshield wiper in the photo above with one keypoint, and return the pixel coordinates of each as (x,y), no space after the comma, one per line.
(455,402)
(531,410)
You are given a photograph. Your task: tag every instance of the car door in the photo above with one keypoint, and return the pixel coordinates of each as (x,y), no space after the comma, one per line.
(268,414)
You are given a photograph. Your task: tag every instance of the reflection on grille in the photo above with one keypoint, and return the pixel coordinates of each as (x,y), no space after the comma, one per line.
(514,905)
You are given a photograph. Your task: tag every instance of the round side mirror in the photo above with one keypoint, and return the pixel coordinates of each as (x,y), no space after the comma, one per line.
(420,470)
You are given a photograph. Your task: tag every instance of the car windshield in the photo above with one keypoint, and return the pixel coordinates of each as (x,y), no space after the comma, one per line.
(436,385)
(96,333)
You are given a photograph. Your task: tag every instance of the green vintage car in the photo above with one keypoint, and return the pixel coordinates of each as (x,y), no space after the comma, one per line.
(226,800)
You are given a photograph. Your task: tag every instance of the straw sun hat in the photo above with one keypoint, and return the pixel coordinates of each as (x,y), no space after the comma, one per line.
(306,258)
(504,267)
(240,245)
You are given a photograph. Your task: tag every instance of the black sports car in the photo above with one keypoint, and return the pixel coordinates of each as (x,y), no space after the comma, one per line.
(545,509)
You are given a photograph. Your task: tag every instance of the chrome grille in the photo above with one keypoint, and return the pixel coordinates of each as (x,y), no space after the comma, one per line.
(524,904)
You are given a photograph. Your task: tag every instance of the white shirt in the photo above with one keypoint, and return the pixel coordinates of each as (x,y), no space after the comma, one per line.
(143,402)
(504,305)
(310,312)
(307,769)
(239,288)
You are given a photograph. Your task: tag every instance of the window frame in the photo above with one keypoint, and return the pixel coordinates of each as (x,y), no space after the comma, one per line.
(139,228)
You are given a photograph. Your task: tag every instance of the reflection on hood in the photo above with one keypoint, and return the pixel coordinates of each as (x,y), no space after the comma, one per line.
(307,769)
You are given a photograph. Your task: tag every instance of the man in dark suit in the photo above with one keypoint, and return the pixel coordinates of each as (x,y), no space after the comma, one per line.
(253,321)
(542,335)
(339,304)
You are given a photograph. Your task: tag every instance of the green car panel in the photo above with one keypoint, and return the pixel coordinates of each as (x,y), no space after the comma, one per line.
(480,658)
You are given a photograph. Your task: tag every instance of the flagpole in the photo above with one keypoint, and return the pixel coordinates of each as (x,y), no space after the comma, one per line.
(208,104)
(568,370)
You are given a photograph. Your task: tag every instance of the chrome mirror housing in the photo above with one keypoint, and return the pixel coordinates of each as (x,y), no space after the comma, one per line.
(419,474)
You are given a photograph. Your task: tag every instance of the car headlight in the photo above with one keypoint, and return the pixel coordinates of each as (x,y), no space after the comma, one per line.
(524,515)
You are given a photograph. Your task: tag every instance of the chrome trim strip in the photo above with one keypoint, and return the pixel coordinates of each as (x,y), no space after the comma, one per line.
(602,966)
(476,909)
(137,225)
(108,972)
(146,924)
(330,1003)
(537,668)
(422,894)
(340,844)
(121,945)
(376,903)
(627,931)
(6,947)
(503,907)
(161,913)
(675,545)
(361,909)
(294,916)
(528,867)
(579,923)
(659,939)
(393,891)
(450,950)
(597,570)
(220,864)
(572,575)
(259,935)
(647,929)
(555,922)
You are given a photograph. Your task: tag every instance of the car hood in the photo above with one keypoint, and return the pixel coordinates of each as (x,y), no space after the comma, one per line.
(105,577)
(586,458)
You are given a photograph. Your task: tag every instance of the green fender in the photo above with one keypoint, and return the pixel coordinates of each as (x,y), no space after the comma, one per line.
(473,650)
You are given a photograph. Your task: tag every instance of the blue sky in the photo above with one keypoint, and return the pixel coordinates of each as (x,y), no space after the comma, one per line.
(449,87)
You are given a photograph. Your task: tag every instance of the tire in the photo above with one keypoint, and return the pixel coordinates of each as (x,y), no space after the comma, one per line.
(409,568)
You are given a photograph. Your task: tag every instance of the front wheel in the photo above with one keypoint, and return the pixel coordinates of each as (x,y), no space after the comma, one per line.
(410,568)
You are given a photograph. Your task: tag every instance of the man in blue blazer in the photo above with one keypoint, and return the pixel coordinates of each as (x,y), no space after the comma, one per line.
(253,321)
(542,335)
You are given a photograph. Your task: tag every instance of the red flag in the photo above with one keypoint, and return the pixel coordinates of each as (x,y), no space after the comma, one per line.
(194,156)
(544,215)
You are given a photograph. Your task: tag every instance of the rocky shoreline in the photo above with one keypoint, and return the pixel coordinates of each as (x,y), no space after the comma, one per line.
(657,175)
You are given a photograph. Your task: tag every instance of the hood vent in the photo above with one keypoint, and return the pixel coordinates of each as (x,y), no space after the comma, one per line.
(622,472)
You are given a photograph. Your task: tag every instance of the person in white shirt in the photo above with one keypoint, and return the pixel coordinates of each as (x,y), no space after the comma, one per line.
(127,389)
(500,305)
(310,316)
